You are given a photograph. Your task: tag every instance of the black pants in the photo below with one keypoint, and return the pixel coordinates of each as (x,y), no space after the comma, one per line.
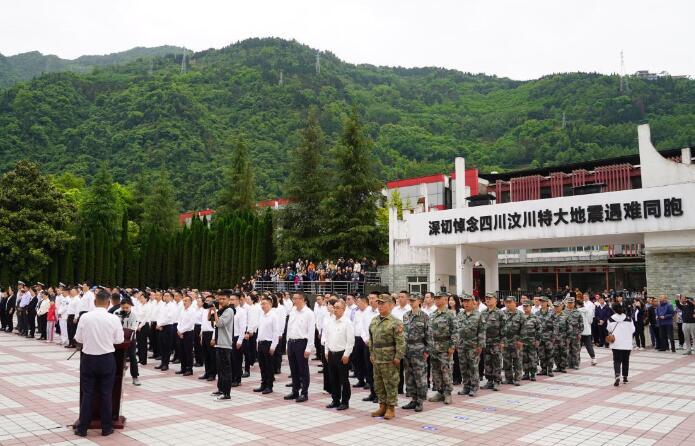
(154,340)
(224,370)
(369,373)
(456,369)
(42,325)
(198,352)
(621,359)
(639,335)
(3,319)
(177,342)
(357,359)
(141,338)
(97,373)
(237,358)
(248,348)
(589,345)
(31,323)
(601,333)
(265,363)
(279,351)
(481,366)
(72,328)
(132,358)
(681,335)
(299,365)
(10,321)
(187,351)
(165,337)
(340,385)
(666,336)
(327,387)
(209,355)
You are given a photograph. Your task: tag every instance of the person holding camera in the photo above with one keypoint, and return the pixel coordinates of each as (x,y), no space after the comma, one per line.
(224,344)
(129,321)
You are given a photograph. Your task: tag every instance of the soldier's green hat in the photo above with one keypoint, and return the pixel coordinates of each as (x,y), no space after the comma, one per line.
(557,303)
(544,299)
(527,303)
(384,298)
(467,297)
(569,300)
(510,299)
(415,296)
(491,295)
(441,294)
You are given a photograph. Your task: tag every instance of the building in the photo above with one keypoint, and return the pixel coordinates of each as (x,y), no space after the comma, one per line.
(589,225)
(186,217)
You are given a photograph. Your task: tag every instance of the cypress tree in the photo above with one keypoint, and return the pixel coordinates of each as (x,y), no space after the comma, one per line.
(234,252)
(186,257)
(269,247)
(195,251)
(238,192)
(248,248)
(82,257)
(90,258)
(241,254)
(260,245)
(202,283)
(68,273)
(122,250)
(53,269)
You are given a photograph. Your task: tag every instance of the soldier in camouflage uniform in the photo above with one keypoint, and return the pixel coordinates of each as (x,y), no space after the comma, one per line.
(418,340)
(471,334)
(575,326)
(445,339)
(386,349)
(511,342)
(562,337)
(531,338)
(493,321)
(549,334)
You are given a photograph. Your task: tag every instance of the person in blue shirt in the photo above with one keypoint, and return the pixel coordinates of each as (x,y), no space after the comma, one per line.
(664,319)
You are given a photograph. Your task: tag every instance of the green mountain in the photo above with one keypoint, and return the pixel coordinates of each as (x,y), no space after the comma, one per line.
(141,116)
(25,66)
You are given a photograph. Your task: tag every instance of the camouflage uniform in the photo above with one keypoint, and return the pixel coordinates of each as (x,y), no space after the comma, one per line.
(575,326)
(418,341)
(511,354)
(493,320)
(471,334)
(549,335)
(530,335)
(445,336)
(386,343)
(561,342)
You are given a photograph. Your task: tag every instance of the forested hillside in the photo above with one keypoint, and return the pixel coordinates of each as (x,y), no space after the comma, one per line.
(147,114)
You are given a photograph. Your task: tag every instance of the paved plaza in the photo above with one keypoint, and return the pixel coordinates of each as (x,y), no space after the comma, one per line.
(39,398)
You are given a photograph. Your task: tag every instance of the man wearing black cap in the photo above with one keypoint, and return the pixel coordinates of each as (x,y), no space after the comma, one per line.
(97,331)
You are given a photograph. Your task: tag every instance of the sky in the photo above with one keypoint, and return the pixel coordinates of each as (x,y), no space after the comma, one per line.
(520,39)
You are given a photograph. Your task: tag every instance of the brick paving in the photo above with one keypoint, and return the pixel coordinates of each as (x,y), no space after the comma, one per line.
(39,394)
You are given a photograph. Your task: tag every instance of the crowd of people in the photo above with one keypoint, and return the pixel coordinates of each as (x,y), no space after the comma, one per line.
(390,343)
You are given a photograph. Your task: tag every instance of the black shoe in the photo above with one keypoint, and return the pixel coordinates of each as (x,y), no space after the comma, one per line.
(366,387)
(79,433)
(107,432)
(291,396)
(158,358)
(301,399)
(210,378)
(617,381)
(359,384)
(525,377)
(258,389)
(203,377)
(266,391)
(624,379)
(288,385)
(179,372)
(223,397)
(542,373)
(533,377)
(187,373)
(369,398)
(176,361)
(343,407)
(550,373)
(158,366)
(236,384)
(216,393)
(164,369)
(320,371)
(333,405)
(245,375)
(198,364)
(516,383)
(409,406)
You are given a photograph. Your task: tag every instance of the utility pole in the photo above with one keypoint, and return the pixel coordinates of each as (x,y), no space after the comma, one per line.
(624,87)
(318,62)
(183,62)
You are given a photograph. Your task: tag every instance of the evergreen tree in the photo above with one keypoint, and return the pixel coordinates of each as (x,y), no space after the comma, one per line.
(34,218)
(351,207)
(160,207)
(99,207)
(82,257)
(269,243)
(196,242)
(259,250)
(122,250)
(305,188)
(238,190)
(248,251)
(186,257)
(234,255)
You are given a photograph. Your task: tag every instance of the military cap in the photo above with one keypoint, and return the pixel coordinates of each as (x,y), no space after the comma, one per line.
(569,300)
(491,295)
(557,303)
(527,303)
(61,285)
(544,299)
(40,284)
(441,294)
(510,299)
(415,296)
(467,297)
(19,282)
(384,298)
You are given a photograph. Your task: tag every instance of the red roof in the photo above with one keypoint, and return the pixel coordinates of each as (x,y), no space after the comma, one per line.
(471,180)
(271,203)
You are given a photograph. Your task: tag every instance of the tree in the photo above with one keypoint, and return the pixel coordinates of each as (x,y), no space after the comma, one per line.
(238,191)
(352,205)
(34,216)
(305,188)
(99,209)
(160,207)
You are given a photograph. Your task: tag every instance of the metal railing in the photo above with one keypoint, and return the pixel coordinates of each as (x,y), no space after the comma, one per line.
(315,287)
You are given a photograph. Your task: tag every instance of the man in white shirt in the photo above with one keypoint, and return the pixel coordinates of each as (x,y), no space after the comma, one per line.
(269,333)
(156,306)
(340,340)
(62,315)
(240,321)
(370,313)
(300,340)
(403,306)
(98,331)
(248,347)
(73,311)
(86,302)
(184,331)
(165,327)
(428,305)
(357,358)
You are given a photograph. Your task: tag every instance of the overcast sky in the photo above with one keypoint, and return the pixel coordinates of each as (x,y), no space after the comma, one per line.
(521,39)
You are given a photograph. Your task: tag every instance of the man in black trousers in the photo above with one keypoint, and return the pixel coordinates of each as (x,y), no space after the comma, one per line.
(97,331)
(300,340)
(340,341)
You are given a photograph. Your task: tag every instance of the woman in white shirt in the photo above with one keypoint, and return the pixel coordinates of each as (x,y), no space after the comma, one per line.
(622,328)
